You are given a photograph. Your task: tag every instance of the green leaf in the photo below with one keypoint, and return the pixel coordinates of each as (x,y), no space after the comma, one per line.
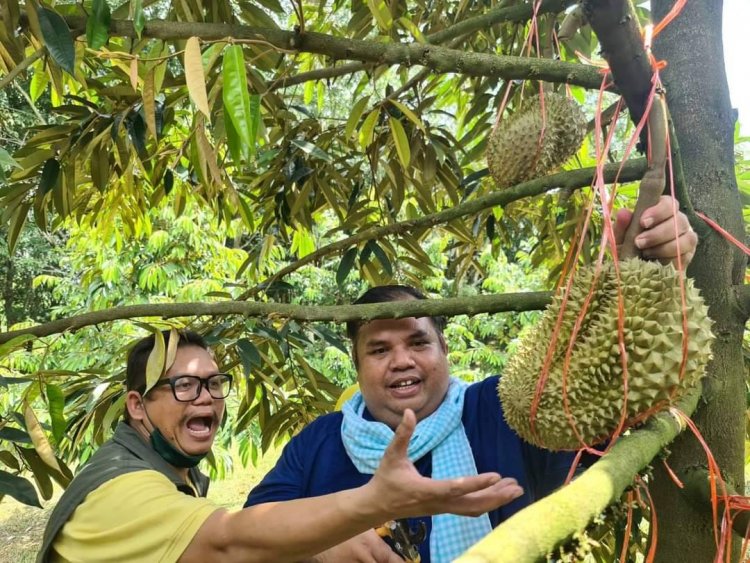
(14,343)
(58,39)
(50,175)
(345,266)
(17,221)
(19,488)
(357,110)
(408,113)
(155,362)
(312,150)
(236,96)
(254,121)
(39,82)
(14,435)
(402,143)
(56,402)
(368,128)
(380,254)
(97,24)
(237,148)
(10,460)
(249,356)
(139,18)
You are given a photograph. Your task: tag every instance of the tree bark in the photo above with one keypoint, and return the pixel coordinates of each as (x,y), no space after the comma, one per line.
(698,99)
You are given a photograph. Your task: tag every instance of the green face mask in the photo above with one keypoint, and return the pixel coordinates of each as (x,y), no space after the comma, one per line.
(170,454)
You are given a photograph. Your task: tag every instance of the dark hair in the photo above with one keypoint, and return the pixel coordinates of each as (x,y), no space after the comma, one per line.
(385,294)
(135,374)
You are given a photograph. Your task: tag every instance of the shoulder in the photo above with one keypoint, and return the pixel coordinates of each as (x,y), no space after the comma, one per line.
(322,427)
(483,395)
(143,504)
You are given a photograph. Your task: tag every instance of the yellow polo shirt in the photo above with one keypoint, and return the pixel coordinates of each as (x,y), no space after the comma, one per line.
(137,517)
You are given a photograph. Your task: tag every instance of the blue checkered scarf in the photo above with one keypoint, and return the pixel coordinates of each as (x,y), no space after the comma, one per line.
(441,433)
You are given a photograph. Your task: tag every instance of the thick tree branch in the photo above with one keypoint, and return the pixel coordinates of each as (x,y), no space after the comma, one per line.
(741,300)
(521,539)
(698,491)
(619,34)
(338,313)
(519,13)
(439,59)
(573,179)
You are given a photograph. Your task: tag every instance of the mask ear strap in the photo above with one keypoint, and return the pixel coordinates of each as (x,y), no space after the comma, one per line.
(151,422)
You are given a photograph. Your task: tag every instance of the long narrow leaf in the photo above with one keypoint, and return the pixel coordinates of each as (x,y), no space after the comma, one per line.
(236,96)
(57,39)
(97,24)
(19,488)
(195,78)
(38,438)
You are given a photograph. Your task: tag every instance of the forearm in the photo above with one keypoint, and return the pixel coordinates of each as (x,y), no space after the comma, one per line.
(289,531)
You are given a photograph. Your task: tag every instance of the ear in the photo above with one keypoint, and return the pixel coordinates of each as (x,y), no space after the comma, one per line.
(134,405)
(443,345)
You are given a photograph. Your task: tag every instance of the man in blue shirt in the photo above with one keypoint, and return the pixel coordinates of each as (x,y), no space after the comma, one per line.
(402,363)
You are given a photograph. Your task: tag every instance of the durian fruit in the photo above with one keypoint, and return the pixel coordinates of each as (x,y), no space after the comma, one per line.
(516,149)
(653,339)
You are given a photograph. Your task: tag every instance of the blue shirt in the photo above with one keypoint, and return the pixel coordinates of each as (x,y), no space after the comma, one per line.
(315,462)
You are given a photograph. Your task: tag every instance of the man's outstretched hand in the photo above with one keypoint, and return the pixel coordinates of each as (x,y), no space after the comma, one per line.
(659,239)
(400,491)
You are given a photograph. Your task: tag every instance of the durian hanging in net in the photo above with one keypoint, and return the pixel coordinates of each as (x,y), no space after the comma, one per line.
(653,340)
(518,150)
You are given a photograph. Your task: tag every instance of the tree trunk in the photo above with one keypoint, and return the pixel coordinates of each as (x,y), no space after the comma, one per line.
(698,98)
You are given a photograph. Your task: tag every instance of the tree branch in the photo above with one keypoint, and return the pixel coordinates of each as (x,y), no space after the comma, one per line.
(619,33)
(519,13)
(20,67)
(439,59)
(698,491)
(521,539)
(573,179)
(507,302)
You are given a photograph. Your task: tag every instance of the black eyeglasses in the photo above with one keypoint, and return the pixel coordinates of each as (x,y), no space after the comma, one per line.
(186,388)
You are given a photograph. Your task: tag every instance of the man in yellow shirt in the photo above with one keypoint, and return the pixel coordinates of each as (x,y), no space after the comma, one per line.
(140,496)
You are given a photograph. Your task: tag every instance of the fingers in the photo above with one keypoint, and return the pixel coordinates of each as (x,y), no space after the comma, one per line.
(622,220)
(501,493)
(668,239)
(659,213)
(470,496)
(400,443)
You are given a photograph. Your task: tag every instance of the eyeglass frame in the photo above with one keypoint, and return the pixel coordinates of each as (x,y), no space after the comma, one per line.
(202,383)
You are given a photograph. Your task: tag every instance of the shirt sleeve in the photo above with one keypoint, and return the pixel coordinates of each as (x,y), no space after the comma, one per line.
(137,517)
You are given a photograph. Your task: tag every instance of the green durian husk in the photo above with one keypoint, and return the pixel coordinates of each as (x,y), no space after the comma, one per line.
(653,340)
(517,151)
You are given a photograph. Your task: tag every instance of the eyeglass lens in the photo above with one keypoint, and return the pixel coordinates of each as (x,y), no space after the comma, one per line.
(189,387)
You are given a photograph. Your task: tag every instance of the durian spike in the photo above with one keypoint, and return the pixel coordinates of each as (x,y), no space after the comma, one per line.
(652,184)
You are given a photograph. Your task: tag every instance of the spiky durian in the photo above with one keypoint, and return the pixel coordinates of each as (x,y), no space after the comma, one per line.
(653,340)
(517,151)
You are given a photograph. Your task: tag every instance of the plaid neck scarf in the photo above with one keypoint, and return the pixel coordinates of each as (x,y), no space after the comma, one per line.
(441,433)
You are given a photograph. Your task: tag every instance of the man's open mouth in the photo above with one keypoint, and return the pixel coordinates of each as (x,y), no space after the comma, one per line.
(405,383)
(200,426)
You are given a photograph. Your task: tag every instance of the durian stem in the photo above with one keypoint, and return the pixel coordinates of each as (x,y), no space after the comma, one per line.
(652,185)
(534,532)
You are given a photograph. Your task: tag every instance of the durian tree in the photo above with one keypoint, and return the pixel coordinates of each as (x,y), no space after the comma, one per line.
(343,135)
